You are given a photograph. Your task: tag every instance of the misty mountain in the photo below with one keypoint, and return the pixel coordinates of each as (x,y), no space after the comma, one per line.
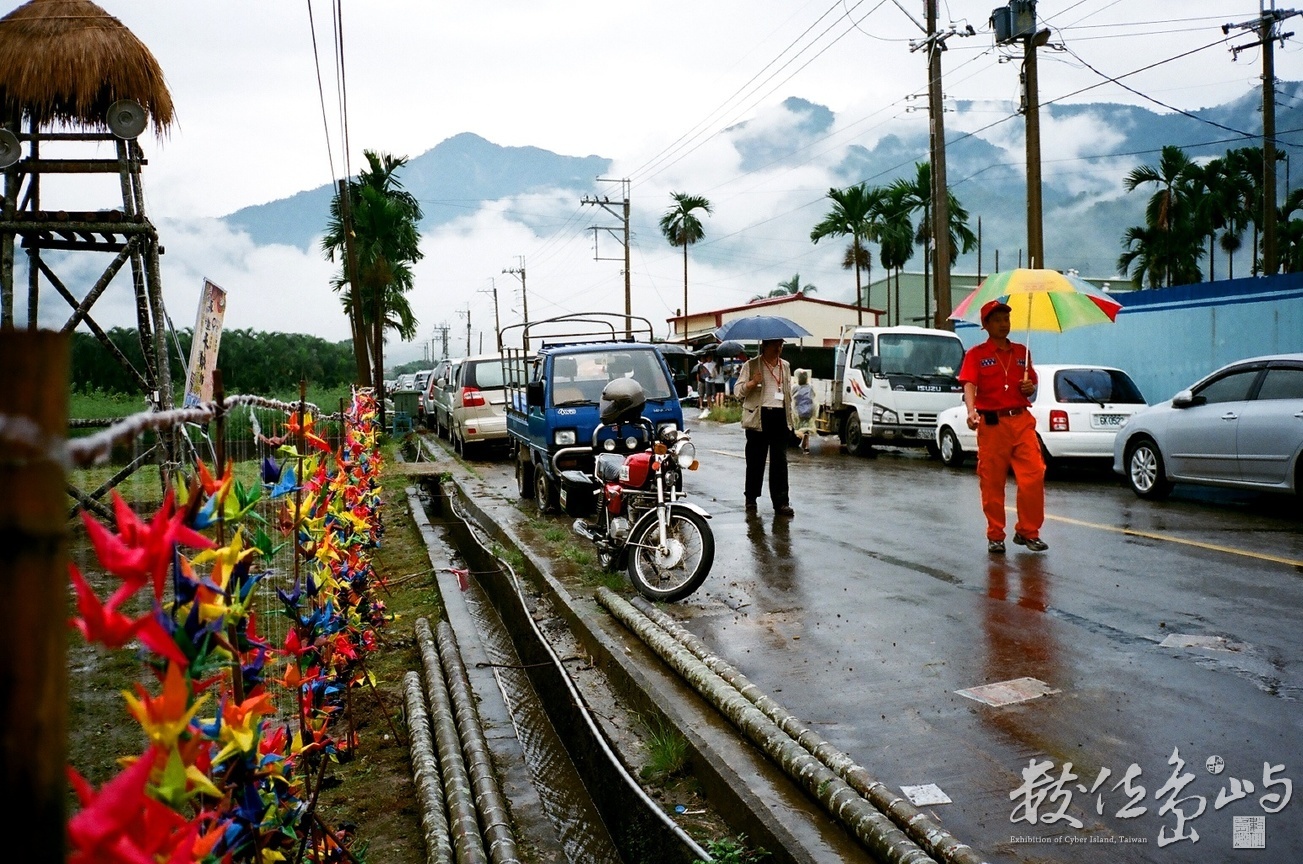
(1087,149)
(453,179)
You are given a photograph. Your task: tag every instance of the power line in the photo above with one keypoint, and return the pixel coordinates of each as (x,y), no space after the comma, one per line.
(738,113)
(321,91)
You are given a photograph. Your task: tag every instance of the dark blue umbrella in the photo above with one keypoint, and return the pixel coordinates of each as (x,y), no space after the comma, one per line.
(728,349)
(759,328)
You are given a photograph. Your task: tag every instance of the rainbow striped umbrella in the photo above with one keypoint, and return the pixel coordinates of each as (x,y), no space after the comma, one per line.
(1040,300)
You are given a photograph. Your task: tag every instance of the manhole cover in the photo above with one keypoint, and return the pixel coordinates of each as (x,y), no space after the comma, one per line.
(1212,643)
(1008,692)
(928,793)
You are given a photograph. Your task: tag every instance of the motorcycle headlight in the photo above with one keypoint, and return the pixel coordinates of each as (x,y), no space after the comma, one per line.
(563,437)
(686,452)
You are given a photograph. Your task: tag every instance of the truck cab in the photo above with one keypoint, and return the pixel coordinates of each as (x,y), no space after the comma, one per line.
(890,384)
(552,417)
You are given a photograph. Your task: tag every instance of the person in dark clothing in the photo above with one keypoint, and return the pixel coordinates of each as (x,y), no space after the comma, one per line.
(768,418)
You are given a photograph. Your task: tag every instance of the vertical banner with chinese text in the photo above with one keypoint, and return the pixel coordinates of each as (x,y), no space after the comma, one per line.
(203,347)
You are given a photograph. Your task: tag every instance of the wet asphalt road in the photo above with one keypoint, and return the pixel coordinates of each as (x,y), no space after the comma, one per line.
(865,614)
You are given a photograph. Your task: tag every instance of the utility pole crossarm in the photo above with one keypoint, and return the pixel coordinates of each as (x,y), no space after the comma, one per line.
(606,204)
(524,295)
(1265,28)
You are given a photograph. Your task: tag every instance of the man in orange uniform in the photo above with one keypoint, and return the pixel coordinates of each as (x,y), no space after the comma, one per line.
(998,379)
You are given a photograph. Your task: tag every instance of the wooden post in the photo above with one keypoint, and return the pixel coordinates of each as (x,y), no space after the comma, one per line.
(33,566)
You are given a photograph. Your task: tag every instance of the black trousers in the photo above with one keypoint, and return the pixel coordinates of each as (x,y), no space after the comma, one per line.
(770,440)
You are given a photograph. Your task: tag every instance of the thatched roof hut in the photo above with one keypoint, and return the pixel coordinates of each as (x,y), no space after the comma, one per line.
(69,60)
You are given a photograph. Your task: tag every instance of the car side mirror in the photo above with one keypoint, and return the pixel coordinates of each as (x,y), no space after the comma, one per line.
(440,383)
(1184,399)
(875,364)
(534,394)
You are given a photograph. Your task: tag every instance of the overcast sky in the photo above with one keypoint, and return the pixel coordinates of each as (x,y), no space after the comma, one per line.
(644,84)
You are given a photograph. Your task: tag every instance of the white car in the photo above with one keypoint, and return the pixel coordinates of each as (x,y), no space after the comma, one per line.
(1078,410)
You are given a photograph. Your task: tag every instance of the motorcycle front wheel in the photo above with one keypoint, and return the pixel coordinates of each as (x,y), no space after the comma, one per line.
(669,573)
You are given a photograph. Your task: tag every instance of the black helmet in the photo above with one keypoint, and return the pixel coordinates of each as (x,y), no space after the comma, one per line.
(622,401)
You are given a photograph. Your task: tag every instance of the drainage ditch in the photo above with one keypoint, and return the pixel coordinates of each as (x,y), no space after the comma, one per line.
(594,810)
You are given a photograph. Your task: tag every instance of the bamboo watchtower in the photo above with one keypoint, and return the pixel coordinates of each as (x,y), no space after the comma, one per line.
(75,80)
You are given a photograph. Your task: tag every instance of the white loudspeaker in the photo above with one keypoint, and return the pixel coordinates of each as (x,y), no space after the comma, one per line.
(126,118)
(10,150)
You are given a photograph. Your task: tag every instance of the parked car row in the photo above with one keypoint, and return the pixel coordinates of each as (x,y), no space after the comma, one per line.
(1240,427)
(463,402)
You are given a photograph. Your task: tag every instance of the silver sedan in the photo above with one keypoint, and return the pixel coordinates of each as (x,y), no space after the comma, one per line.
(1241,427)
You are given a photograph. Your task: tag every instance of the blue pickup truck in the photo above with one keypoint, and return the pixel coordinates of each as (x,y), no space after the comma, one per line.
(551,418)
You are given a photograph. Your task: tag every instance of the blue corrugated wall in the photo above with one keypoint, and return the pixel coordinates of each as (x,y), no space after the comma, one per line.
(1167,338)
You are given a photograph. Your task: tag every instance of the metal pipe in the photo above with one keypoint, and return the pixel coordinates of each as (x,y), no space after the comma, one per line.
(495,819)
(468,846)
(425,771)
(932,837)
(882,838)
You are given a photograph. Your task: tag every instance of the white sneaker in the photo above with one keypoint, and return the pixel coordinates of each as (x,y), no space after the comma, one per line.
(704,414)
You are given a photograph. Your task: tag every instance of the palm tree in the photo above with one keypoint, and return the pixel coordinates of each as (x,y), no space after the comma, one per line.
(1289,232)
(896,239)
(787,288)
(386,242)
(855,213)
(1170,225)
(681,227)
(860,258)
(917,195)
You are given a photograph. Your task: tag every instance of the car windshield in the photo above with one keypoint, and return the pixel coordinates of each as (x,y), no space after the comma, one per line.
(579,378)
(1096,385)
(919,354)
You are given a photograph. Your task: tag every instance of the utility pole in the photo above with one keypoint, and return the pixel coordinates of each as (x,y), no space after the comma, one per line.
(497,323)
(605,203)
(524,298)
(934,44)
(442,332)
(940,200)
(470,349)
(1016,24)
(1032,121)
(1265,25)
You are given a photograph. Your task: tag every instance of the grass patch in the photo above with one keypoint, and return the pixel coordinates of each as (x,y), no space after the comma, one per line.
(667,750)
(554,534)
(576,555)
(726,850)
(727,414)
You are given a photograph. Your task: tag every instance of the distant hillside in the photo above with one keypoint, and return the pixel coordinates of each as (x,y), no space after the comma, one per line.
(1086,209)
(450,180)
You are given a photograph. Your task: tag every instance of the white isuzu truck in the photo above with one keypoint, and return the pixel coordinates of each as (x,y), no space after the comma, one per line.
(889,385)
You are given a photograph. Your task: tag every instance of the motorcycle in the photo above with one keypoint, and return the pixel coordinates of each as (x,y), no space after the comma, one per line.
(640,519)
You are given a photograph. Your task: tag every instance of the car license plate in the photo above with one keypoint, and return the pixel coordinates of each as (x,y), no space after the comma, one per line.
(1109,421)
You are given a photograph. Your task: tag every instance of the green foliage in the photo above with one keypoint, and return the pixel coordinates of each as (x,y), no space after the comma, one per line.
(667,750)
(265,363)
(728,851)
